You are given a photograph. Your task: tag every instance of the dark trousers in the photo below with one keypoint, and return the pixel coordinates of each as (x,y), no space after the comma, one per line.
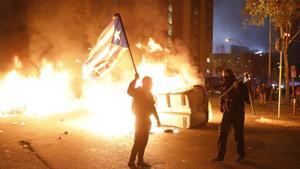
(235,119)
(142,129)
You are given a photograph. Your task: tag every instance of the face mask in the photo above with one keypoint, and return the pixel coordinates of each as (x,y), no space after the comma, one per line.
(226,78)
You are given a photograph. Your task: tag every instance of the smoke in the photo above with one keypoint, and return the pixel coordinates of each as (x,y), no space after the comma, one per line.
(58,30)
(12,32)
(62,32)
(229,23)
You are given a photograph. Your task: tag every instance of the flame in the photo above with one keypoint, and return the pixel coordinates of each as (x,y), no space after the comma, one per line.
(104,106)
(168,71)
(49,93)
(110,108)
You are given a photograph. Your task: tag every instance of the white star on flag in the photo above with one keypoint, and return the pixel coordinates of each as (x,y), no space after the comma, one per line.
(110,47)
(117,35)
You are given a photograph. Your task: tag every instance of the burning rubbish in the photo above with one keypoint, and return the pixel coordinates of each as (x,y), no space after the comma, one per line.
(50,93)
(103,105)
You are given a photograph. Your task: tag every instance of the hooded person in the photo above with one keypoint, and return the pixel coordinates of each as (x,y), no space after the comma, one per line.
(232,107)
(142,107)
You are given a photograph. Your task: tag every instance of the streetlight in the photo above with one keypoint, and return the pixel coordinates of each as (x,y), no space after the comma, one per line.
(236,40)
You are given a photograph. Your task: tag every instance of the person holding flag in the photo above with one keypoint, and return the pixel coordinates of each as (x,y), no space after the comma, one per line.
(110,47)
(142,107)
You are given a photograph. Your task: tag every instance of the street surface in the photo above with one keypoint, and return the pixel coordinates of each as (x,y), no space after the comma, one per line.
(52,143)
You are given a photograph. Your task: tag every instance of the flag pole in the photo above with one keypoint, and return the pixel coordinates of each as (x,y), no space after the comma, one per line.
(133,63)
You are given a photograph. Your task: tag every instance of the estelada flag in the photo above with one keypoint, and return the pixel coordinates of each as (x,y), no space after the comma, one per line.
(110,47)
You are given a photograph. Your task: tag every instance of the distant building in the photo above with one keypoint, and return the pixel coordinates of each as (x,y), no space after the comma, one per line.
(256,64)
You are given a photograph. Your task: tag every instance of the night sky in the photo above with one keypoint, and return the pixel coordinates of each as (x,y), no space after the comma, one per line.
(229,23)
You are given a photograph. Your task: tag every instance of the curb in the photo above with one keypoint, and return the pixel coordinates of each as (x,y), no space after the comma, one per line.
(284,123)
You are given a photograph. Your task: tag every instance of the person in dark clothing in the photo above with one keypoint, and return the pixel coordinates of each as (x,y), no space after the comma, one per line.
(142,107)
(232,107)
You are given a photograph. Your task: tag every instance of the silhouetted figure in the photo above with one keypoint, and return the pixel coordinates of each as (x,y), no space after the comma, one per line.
(142,107)
(232,107)
(263,94)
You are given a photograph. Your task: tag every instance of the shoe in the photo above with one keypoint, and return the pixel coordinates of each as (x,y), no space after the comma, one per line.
(240,159)
(131,165)
(217,159)
(143,164)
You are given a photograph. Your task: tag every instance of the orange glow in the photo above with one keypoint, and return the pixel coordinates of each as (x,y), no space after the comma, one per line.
(210,112)
(47,94)
(104,106)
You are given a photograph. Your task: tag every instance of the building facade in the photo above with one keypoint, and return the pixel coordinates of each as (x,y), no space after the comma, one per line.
(191,21)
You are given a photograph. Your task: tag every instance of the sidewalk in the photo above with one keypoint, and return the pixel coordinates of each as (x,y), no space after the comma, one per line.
(268,113)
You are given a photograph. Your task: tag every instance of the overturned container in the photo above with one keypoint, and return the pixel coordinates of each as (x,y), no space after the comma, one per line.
(185,109)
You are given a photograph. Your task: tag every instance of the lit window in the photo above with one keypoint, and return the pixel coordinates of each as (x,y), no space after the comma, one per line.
(170,18)
(208,60)
(170,8)
(170,31)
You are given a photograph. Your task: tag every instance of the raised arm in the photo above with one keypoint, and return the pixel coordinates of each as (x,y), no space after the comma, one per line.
(131,87)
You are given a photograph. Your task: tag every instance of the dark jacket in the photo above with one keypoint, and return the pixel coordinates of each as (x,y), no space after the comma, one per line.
(143,102)
(235,99)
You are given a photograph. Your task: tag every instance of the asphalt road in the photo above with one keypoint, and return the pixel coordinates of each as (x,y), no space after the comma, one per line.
(38,143)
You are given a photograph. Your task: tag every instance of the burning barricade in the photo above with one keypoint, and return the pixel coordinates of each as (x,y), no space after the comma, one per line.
(179,101)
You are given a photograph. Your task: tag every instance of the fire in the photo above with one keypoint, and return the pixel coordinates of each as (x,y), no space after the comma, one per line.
(104,106)
(49,93)
(110,108)
(169,72)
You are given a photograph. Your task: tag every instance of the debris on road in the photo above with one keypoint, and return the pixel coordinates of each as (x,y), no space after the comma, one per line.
(168,131)
(26,145)
(65,133)
(171,130)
